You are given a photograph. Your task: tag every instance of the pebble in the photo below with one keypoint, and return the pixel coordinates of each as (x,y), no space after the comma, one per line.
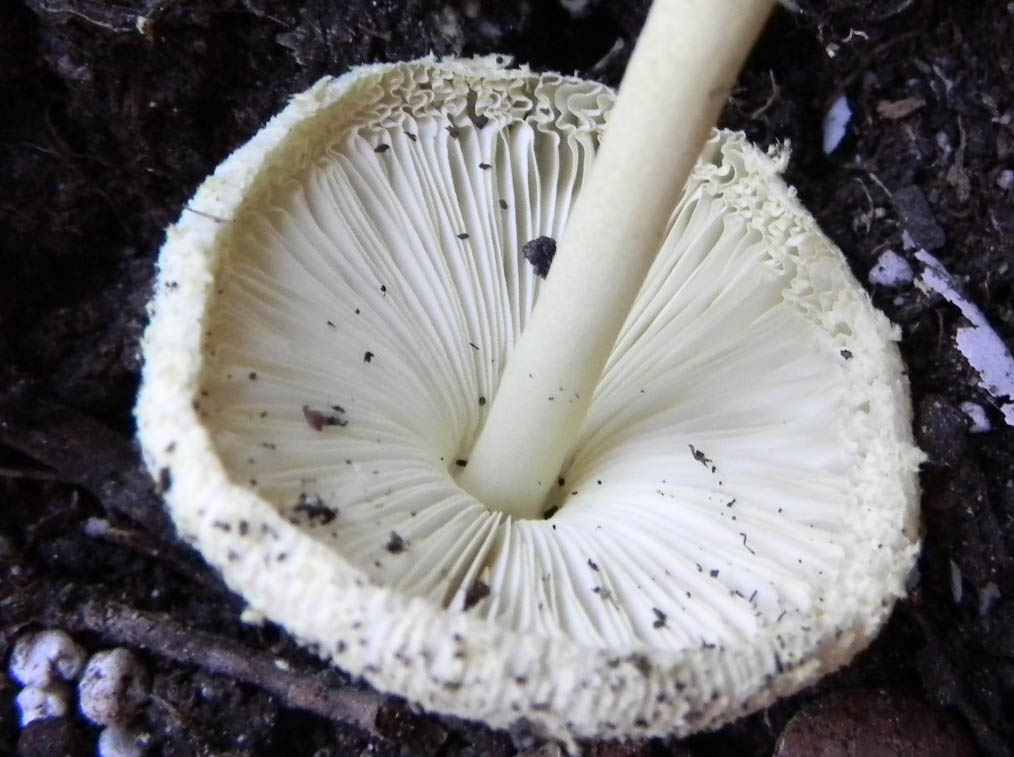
(872,723)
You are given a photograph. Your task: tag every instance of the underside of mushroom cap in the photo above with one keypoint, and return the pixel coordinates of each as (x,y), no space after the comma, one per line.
(334,310)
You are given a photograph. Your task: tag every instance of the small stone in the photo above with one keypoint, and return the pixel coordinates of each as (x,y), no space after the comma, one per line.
(917,217)
(872,723)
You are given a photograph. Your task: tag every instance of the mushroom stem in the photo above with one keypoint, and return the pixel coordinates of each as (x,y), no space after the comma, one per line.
(678,78)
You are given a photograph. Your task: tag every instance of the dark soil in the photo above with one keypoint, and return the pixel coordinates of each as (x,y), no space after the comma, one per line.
(104,134)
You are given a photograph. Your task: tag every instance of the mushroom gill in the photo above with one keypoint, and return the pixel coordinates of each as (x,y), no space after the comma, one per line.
(330,327)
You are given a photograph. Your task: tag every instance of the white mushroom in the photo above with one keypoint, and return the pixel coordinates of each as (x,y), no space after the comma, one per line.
(333,314)
(41,658)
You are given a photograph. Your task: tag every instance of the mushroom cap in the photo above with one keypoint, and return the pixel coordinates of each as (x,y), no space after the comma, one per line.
(333,310)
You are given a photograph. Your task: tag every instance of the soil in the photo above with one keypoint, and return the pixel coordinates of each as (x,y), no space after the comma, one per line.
(108,125)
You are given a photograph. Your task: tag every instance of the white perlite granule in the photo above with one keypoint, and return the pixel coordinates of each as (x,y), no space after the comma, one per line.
(836,124)
(40,658)
(42,702)
(978,420)
(891,271)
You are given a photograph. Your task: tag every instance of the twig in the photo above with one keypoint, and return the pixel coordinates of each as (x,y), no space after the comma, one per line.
(876,54)
(371,32)
(176,556)
(38,475)
(775,92)
(103,15)
(82,451)
(611,57)
(162,636)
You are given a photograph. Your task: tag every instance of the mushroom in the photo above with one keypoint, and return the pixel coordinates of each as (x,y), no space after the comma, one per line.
(333,314)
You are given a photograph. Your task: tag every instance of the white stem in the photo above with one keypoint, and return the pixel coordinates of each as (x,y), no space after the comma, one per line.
(678,78)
